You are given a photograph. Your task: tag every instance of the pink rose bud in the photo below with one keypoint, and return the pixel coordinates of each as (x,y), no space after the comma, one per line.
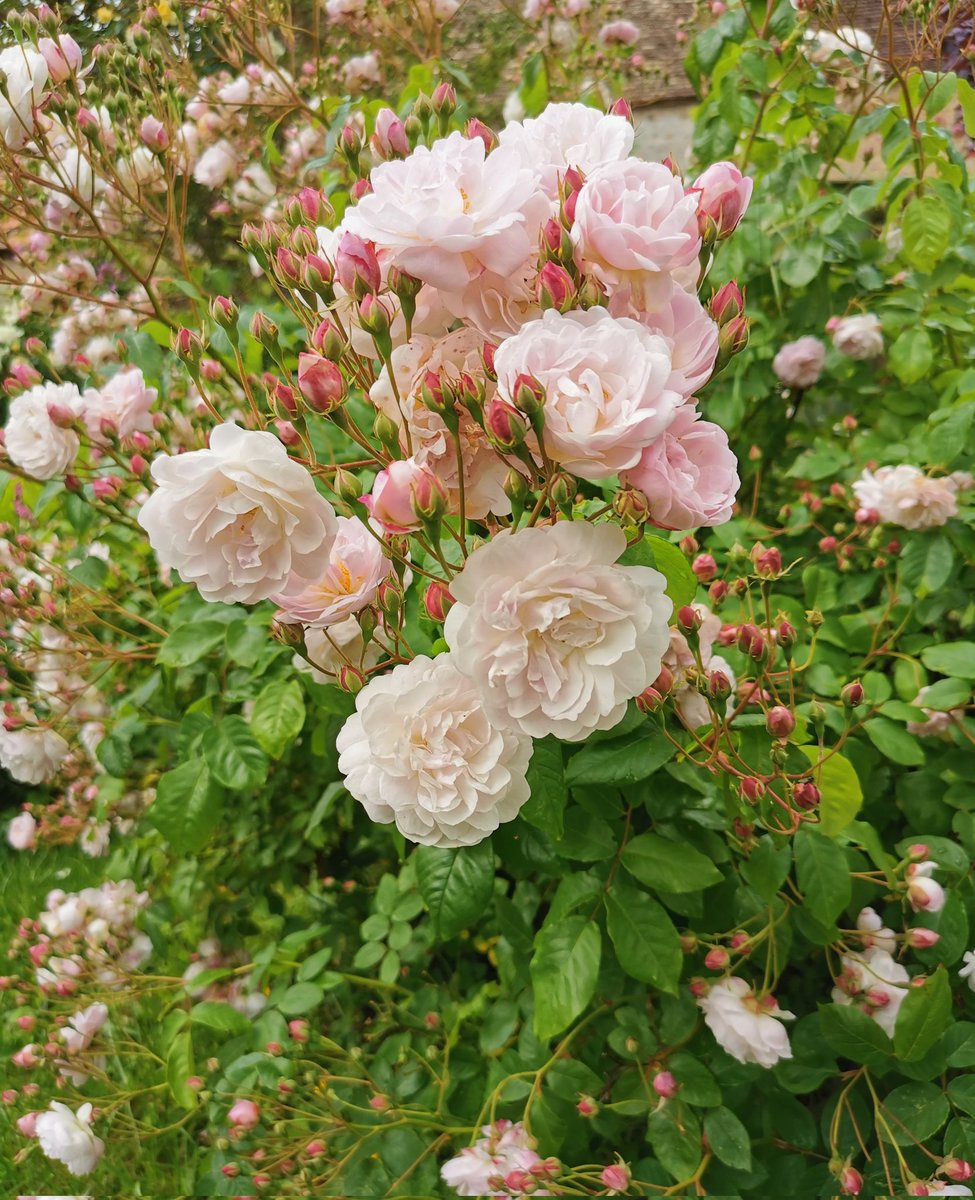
(477,129)
(390,139)
(153,133)
(438,601)
(444,99)
(851,1181)
(665,1085)
(918,1188)
(922,939)
(727,302)
(587,1107)
(288,265)
(867,516)
(26,1023)
(779,721)
(519,1182)
(704,567)
(357,266)
(555,288)
(689,619)
(616,1177)
(27,1124)
(106,487)
(852,695)
(723,195)
(752,789)
(244,1114)
(572,184)
(957,1169)
(504,425)
(26,375)
(329,341)
(768,563)
(320,382)
(315,1149)
(63,57)
(138,465)
(230,1170)
(621,108)
(298,1030)
(391,501)
(187,345)
(287,434)
(732,339)
(379,1102)
(61,415)
(649,701)
(806,795)
(919,851)
(9,1095)
(717,959)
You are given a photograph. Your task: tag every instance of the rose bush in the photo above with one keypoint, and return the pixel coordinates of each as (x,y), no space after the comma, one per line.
(486,710)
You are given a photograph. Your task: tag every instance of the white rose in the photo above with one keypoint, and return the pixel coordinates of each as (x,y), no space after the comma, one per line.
(448,212)
(421,751)
(555,634)
(67,1137)
(33,441)
(567,135)
(239,518)
(905,496)
(124,401)
(329,650)
(606,387)
(215,165)
(858,337)
(32,754)
(875,984)
(749,1029)
(22,832)
(25,76)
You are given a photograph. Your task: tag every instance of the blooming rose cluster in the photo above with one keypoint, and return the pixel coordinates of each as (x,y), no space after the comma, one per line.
(906,496)
(503,1161)
(747,1026)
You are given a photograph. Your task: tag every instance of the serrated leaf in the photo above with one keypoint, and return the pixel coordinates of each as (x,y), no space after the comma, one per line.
(301,998)
(823,875)
(767,867)
(545,806)
(187,807)
(233,756)
(852,1034)
(179,1068)
(646,943)
(952,658)
(926,230)
(214,1014)
(894,742)
(728,1138)
(675,1135)
(191,642)
(924,1015)
(913,1113)
(669,866)
(456,885)
(839,785)
(625,760)
(278,716)
(564,969)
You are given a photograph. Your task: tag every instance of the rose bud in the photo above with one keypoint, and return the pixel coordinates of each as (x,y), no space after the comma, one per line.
(477,129)
(768,563)
(389,139)
(851,1181)
(615,1177)
(852,694)
(438,601)
(555,288)
(504,425)
(779,721)
(320,382)
(665,1085)
(244,1114)
(751,789)
(723,194)
(717,959)
(727,302)
(154,134)
(922,939)
(689,619)
(357,266)
(704,567)
(957,1169)
(587,1107)
(806,795)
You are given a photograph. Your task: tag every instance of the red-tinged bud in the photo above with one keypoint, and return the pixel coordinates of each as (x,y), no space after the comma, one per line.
(664,683)
(806,795)
(786,635)
(361,187)
(572,182)
(477,129)
(919,851)
(727,303)
(957,1169)
(283,400)
(719,685)
(751,789)
(244,1113)
(154,134)
(671,164)
(621,108)
(587,1107)
(264,330)
(918,1188)
(867,516)
(922,939)
(665,1085)
(316,1149)
(828,544)
(689,620)
(224,312)
(704,567)
(438,601)
(444,100)
(298,1030)
(688,943)
(631,506)
(210,370)
(428,498)
(732,339)
(616,1177)
(187,346)
(320,382)
(750,640)
(488,351)
(379,1102)
(851,1181)
(552,234)
(389,139)
(287,434)
(303,241)
(768,563)
(717,959)
(230,1170)
(717,591)
(852,694)
(61,416)
(649,701)
(315,206)
(138,465)
(106,487)
(555,288)
(261,1180)
(351,680)
(528,396)
(351,143)
(779,721)
(25,374)
(504,425)
(329,341)
(357,266)
(375,319)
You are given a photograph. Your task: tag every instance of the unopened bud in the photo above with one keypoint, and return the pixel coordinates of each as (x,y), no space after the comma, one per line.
(852,694)
(779,721)
(665,1085)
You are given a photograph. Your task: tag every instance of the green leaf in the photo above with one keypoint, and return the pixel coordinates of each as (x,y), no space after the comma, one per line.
(823,875)
(675,1135)
(912,1113)
(953,658)
(564,969)
(233,756)
(728,1139)
(966,98)
(961,1093)
(767,867)
(926,229)
(278,716)
(189,643)
(586,837)
(947,694)
(625,760)
(939,561)
(894,742)
(301,998)
(697,1085)
(214,1014)
(670,561)
(669,866)
(923,1017)
(842,795)
(911,355)
(852,1034)
(179,1068)
(646,943)
(456,885)
(187,806)
(545,807)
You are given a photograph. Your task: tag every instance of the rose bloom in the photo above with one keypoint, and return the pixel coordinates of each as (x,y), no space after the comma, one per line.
(681,319)
(874,933)
(799,364)
(32,754)
(606,387)
(354,569)
(360,70)
(124,401)
(747,1028)
(723,195)
(67,1137)
(680,660)
(859,337)
(567,135)
(240,519)
(503,1148)
(497,306)
(22,831)
(619,33)
(216,165)
(340,10)
(33,441)
(80,1032)
(421,751)
(875,984)
(556,635)
(448,212)
(689,474)
(924,894)
(25,76)
(329,650)
(633,225)
(905,496)
(967,972)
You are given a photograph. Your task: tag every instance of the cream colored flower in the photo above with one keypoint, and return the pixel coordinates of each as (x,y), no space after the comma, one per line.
(748,1028)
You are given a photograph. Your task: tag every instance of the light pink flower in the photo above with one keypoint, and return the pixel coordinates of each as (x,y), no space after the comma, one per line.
(124,402)
(22,832)
(689,474)
(606,389)
(216,165)
(936,723)
(723,195)
(66,1137)
(329,650)
(355,567)
(874,983)
(924,894)
(905,496)
(633,225)
(448,212)
(859,336)
(679,317)
(360,70)
(80,1032)
(799,364)
(391,500)
(503,1148)
(63,57)
(37,435)
(619,33)
(749,1029)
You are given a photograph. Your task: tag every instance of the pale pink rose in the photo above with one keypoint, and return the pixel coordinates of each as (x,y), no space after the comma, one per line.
(619,33)
(723,195)
(355,568)
(32,754)
(557,635)
(689,474)
(633,225)
(360,70)
(799,364)
(502,1149)
(216,165)
(391,500)
(329,650)
(35,436)
(859,336)
(66,1137)
(63,57)
(924,894)
(936,724)
(80,1032)
(124,402)
(685,323)
(238,519)
(605,381)
(874,933)
(421,751)
(905,496)
(567,135)
(747,1028)
(497,305)
(25,73)
(874,983)
(236,92)
(448,212)
(344,10)
(680,660)
(22,832)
